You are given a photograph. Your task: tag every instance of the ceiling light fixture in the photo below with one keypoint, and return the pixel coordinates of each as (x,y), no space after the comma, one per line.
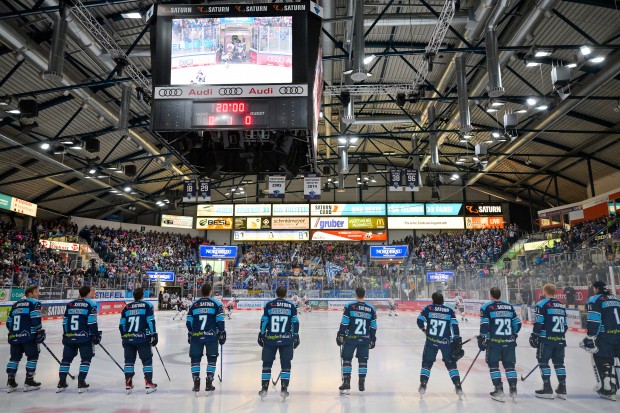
(369,59)
(542,107)
(454,177)
(585,50)
(92,171)
(45,146)
(531,101)
(532,63)
(542,53)
(571,65)
(521,111)
(496,134)
(127,188)
(597,59)
(491,109)
(13,111)
(131,15)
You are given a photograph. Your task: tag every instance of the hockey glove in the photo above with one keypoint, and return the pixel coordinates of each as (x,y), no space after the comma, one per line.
(373,342)
(96,338)
(296,341)
(589,345)
(534,340)
(154,339)
(221,337)
(483,342)
(40,337)
(261,339)
(340,338)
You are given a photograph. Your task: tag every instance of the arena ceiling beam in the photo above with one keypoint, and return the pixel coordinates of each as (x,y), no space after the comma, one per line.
(607,4)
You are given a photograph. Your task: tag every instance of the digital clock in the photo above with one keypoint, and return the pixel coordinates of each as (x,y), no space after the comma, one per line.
(231,113)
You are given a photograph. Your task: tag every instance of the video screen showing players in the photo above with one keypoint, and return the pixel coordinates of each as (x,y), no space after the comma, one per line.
(232,50)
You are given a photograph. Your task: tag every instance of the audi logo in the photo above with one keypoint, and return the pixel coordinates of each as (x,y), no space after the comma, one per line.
(230,91)
(291,90)
(170,92)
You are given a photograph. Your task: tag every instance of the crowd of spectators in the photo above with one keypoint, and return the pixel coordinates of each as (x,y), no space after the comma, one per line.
(582,235)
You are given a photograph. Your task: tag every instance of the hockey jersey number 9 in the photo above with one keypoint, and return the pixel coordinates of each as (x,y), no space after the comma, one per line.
(24,320)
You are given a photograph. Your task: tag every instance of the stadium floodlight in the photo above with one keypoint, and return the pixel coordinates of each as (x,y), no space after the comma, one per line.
(45,146)
(454,177)
(531,101)
(585,50)
(127,188)
(496,135)
(597,59)
(542,107)
(131,15)
(542,53)
(13,111)
(571,65)
(368,59)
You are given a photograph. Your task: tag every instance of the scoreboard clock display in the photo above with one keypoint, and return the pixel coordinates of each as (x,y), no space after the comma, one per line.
(233,113)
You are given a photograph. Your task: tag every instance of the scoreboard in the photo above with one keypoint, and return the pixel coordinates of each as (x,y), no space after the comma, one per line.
(236,67)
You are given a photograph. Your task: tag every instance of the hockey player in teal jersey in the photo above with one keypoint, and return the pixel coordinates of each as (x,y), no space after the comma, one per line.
(357,335)
(441,327)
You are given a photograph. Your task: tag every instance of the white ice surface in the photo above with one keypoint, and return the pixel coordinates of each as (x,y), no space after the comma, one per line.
(234,74)
(393,374)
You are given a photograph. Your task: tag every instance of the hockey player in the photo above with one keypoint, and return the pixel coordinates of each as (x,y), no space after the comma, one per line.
(499,326)
(460,306)
(182,307)
(295,301)
(441,327)
(306,301)
(25,335)
(137,327)
(80,333)
(166,298)
(548,338)
(205,328)
(357,334)
(603,339)
(392,305)
(279,331)
(230,306)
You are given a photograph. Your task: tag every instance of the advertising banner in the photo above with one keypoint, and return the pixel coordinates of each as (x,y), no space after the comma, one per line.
(109,294)
(443,210)
(484,222)
(329,223)
(23,207)
(348,210)
(253,210)
(163,276)
(50,294)
(385,252)
(204,190)
(217,210)
(221,223)
(412,180)
(271,236)
(111,307)
(412,305)
(57,245)
(290,210)
(228,252)
(250,305)
(318,304)
(253,223)
(426,223)
(5,294)
(4,312)
(395,180)
(53,309)
(366,223)
(17,294)
(405,210)
(276,186)
(352,235)
(290,223)
(573,318)
(483,209)
(177,221)
(312,187)
(189,191)
(439,276)
(581,295)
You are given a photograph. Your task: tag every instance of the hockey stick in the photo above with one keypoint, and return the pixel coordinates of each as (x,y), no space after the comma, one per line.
(529,374)
(115,362)
(277,380)
(162,363)
(465,342)
(472,365)
(341,373)
(56,358)
(219,376)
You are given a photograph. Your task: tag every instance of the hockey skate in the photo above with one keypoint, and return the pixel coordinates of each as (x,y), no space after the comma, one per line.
(422,388)
(607,395)
(209,388)
(196,388)
(30,384)
(513,392)
(62,385)
(546,392)
(561,391)
(362,384)
(458,389)
(128,385)
(150,386)
(498,394)
(263,391)
(11,384)
(284,392)
(82,386)
(345,388)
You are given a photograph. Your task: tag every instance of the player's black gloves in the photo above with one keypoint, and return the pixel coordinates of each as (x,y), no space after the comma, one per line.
(456,348)
(483,342)
(296,341)
(154,339)
(221,337)
(589,345)
(40,337)
(534,340)
(96,337)
(373,341)
(261,339)
(340,338)
(189,338)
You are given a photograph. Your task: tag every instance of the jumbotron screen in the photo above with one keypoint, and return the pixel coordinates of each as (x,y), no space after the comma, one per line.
(232,50)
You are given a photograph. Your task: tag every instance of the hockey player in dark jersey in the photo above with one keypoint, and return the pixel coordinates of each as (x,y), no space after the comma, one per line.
(357,334)
(499,326)
(441,327)
(548,338)
(80,333)
(25,335)
(137,327)
(279,331)
(603,339)
(205,326)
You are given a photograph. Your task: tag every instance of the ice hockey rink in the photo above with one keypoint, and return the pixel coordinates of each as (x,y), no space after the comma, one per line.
(233,74)
(393,374)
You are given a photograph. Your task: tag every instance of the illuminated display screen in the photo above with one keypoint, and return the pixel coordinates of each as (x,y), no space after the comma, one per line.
(231,113)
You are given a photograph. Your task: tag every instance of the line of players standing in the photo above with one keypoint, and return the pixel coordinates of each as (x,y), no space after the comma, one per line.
(279,333)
